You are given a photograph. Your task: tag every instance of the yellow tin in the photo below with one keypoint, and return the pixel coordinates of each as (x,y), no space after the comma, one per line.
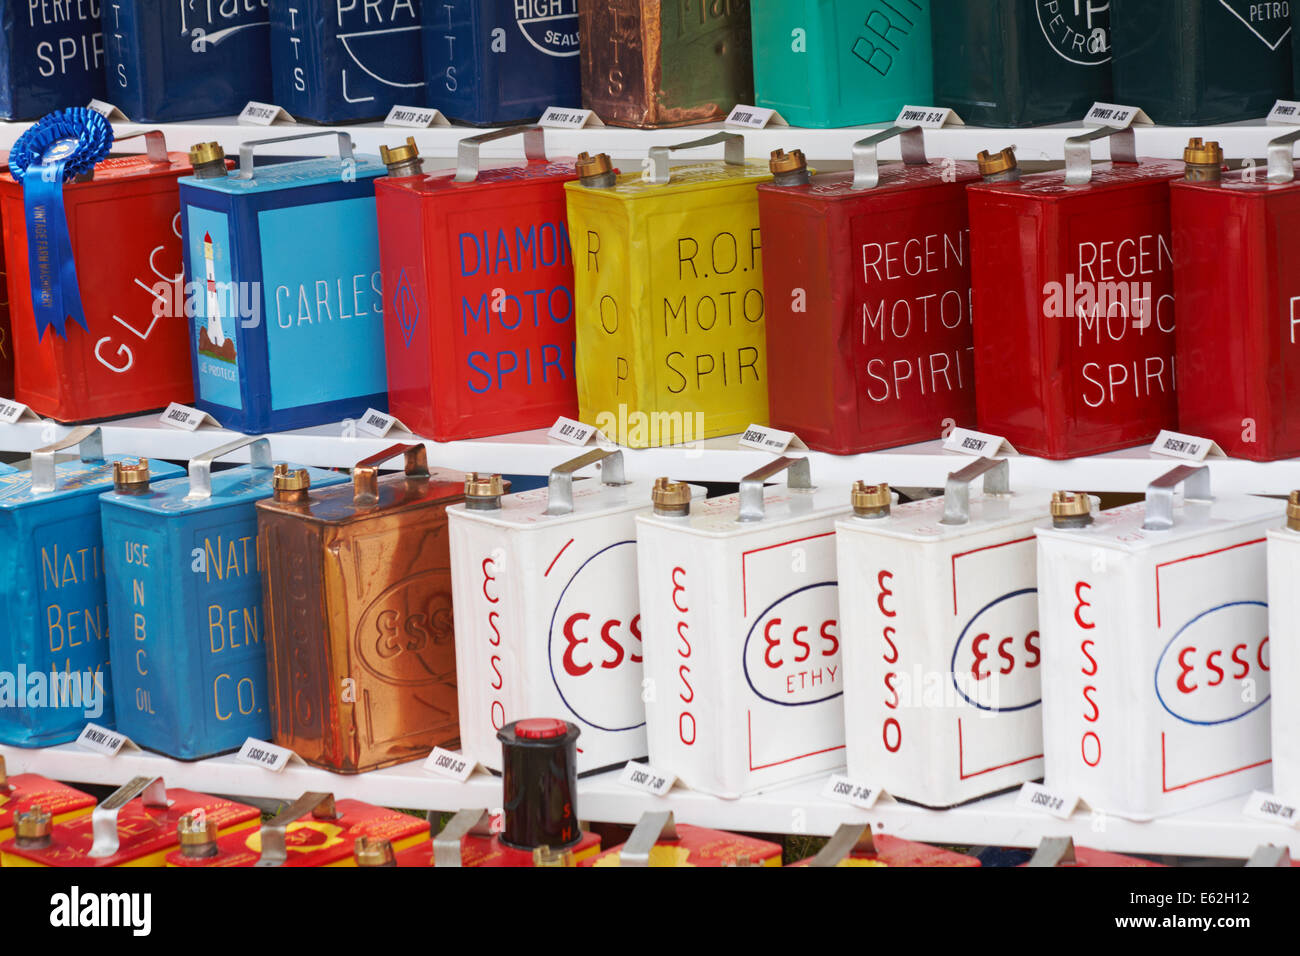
(668,285)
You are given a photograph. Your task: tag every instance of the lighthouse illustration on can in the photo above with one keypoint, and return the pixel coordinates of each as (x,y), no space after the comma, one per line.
(216,337)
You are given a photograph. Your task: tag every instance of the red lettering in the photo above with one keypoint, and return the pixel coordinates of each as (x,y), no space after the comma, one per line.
(570,665)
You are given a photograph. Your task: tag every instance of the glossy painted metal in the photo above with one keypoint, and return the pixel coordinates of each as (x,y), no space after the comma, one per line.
(51,57)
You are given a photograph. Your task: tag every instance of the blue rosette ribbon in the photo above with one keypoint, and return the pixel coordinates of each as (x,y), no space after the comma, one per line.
(57,148)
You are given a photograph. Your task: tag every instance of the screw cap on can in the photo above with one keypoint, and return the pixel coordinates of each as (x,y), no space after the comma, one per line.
(871,500)
(197,835)
(34,825)
(546,856)
(289,482)
(991,164)
(131,477)
(670,497)
(373,851)
(1201,153)
(1293,511)
(203,153)
(1071,509)
(483,486)
(783,162)
(589,166)
(404,153)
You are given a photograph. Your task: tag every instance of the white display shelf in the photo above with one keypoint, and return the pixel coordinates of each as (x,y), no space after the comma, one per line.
(1244,139)
(715,459)
(1219,830)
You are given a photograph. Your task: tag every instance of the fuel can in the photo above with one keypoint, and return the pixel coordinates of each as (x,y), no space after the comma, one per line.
(314,830)
(24,792)
(824,63)
(52,594)
(951,594)
(658,840)
(184,589)
(740,624)
(856,845)
(135,826)
(51,57)
(1283,604)
(289,255)
(1155,637)
(1074,274)
(182,61)
(668,281)
(478,309)
(1236,283)
(1202,61)
(867,280)
(1061,852)
(132,355)
(1017,63)
(343,61)
(653,63)
(548,618)
(358,614)
(489,62)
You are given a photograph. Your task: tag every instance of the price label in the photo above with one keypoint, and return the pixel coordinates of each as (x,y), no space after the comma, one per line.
(1034,796)
(1190,447)
(259,753)
(855,794)
(263,114)
(754,117)
(101,740)
(565,117)
(1266,807)
(981,444)
(11,412)
(1284,112)
(928,117)
(571,432)
(1119,117)
(182,416)
(378,423)
(769,439)
(642,776)
(445,763)
(108,111)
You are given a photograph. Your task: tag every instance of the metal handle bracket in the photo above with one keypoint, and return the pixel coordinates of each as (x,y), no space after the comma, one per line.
(467,150)
(866,161)
(201,465)
(752,507)
(246,149)
(733,155)
(89,441)
(956,494)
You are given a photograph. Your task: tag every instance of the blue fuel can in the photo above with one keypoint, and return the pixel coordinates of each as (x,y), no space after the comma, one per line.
(54,669)
(184,595)
(490,62)
(283,287)
(187,60)
(51,56)
(342,61)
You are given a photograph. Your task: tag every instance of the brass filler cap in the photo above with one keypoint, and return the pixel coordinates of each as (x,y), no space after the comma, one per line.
(546,856)
(671,497)
(1293,511)
(400,154)
(483,486)
(991,164)
(1201,153)
(33,828)
(204,153)
(131,477)
(288,481)
(598,165)
(783,162)
(197,836)
(373,851)
(1071,509)
(871,501)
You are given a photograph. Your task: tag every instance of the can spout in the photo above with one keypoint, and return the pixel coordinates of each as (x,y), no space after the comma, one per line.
(1204,161)
(373,851)
(596,172)
(131,479)
(871,501)
(290,485)
(208,161)
(403,160)
(788,169)
(999,167)
(483,492)
(33,829)
(671,498)
(1070,509)
(1293,511)
(197,836)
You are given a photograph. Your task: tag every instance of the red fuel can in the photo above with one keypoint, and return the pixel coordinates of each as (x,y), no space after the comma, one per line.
(868,289)
(1074,301)
(125,236)
(1238,284)
(478,282)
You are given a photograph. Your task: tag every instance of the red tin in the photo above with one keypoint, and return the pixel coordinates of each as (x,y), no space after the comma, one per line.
(868,289)
(1237,276)
(478,283)
(1074,303)
(124,225)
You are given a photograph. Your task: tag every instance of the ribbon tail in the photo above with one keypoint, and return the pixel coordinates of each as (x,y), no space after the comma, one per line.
(51,265)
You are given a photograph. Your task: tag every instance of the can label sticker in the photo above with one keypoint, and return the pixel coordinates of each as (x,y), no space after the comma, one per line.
(1271,22)
(551,26)
(1079,31)
(216,317)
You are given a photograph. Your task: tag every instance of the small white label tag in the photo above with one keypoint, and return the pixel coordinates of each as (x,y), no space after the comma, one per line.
(1270,809)
(769,439)
(642,776)
(1284,113)
(855,794)
(11,412)
(571,432)
(182,416)
(446,763)
(566,117)
(1034,796)
(259,753)
(1120,117)
(1177,445)
(108,111)
(263,114)
(379,423)
(966,441)
(415,117)
(928,117)
(754,117)
(102,740)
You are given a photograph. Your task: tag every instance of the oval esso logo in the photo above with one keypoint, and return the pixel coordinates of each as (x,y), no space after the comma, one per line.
(1216,668)
(995,662)
(595,641)
(1078,30)
(551,26)
(401,631)
(792,653)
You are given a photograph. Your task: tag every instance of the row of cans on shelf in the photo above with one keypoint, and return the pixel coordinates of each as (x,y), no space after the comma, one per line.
(648,63)
(679,302)
(980,640)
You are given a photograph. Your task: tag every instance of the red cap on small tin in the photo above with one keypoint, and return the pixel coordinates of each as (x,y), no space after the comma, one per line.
(540,728)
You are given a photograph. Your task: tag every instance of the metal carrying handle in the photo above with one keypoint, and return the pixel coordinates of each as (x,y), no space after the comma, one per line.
(89,441)
(1281,158)
(850,838)
(246,149)
(467,150)
(733,155)
(751,486)
(654,825)
(446,845)
(103,821)
(1270,855)
(274,850)
(866,161)
(1078,152)
(956,493)
(559,487)
(155,144)
(365,474)
(1053,851)
(1195,480)
(201,465)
